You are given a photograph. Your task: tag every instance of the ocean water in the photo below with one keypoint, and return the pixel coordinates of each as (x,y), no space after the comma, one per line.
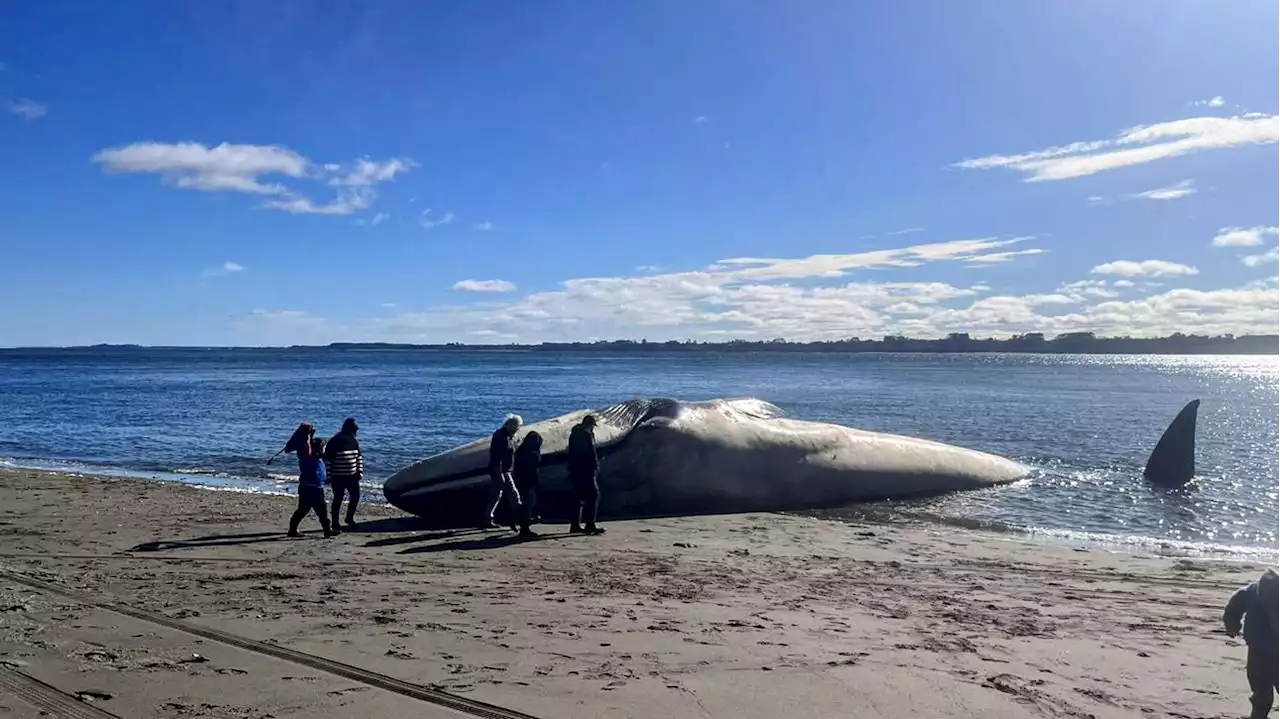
(1086,423)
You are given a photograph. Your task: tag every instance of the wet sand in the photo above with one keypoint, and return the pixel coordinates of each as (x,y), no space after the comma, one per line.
(737,616)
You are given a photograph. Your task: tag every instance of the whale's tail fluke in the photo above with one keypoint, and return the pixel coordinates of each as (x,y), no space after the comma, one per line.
(1173,461)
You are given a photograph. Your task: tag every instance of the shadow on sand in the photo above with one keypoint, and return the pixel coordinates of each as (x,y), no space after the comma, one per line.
(424,537)
(488,542)
(377,526)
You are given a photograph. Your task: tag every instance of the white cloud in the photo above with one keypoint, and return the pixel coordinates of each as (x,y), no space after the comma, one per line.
(907,231)
(1172,192)
(365,172)
(807,298)
(1240,311)
(427,223)
(194,166)
(374,221)
(1270,255)
(28,109)
(1266,283)
(349,201)
(748,297)
(701,120)
(830,266)
(1136,146)
(995,258)
(1243,236)
(1145,268)
(484,286)
(227,268)
(388,305)
(1081,290)
(485,226)
(241,168)
(1215,101)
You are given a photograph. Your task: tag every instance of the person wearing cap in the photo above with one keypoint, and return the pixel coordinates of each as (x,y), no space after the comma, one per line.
(310,487)
(311,473)
(346,471)
(584,464)
(502,450)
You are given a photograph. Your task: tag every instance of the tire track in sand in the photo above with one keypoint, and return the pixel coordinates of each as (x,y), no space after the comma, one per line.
(444,699)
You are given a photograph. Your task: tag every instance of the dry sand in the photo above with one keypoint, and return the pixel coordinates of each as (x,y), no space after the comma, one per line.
(737,616)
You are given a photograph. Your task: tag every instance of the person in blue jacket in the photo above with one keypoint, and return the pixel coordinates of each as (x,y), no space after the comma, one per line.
(310,451)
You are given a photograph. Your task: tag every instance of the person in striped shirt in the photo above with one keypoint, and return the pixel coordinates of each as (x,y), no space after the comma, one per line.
(345,471)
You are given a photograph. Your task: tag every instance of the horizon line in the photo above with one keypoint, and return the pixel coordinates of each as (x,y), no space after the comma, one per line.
(885,339)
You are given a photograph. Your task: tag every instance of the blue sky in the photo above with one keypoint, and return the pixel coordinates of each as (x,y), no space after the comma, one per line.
(304,172)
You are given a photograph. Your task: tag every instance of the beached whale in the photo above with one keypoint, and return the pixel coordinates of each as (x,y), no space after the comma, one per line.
(663,457)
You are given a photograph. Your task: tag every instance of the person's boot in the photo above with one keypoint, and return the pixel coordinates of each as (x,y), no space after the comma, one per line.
(594,530)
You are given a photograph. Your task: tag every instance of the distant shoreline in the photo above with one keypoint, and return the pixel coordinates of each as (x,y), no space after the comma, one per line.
(1077,343)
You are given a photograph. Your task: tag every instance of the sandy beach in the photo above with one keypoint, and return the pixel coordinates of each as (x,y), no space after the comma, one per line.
(135,599)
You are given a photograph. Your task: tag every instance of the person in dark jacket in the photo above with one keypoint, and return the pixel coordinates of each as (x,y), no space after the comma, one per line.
(502,449)
(309,449)
(346,471)
(1256,603)
(584,464)
(525,472)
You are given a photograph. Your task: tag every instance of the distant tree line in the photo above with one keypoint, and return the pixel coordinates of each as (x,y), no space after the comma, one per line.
(958,342)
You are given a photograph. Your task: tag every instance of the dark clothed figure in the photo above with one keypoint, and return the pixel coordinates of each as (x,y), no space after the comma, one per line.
(310,484)
(502,449)
(1256,604)
(346,471)
(584,465)
(525,472)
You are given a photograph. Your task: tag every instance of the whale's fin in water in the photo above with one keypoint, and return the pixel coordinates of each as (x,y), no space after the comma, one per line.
(1173,461)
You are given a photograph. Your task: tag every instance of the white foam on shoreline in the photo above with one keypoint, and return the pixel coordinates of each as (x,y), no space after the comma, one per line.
(275,483)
